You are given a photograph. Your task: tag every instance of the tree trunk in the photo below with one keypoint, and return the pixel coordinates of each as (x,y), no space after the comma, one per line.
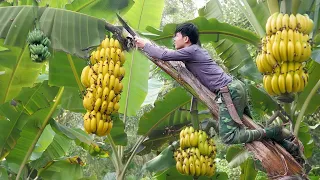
(275,159)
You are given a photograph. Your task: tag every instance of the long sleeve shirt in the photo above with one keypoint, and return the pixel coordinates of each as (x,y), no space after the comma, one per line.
(197,60)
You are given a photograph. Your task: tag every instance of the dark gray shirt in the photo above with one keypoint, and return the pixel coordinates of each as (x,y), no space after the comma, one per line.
(197,61)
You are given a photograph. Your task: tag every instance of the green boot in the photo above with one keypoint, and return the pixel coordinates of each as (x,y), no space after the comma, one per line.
(277,133)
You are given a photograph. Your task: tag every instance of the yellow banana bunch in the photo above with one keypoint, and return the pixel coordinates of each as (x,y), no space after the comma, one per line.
(286,46)
(191,162)
(102,79)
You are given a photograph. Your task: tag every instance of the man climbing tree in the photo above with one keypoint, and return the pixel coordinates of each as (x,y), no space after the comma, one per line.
(231,92)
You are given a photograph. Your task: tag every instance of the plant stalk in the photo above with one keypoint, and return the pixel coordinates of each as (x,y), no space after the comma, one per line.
(115,152)
(295,6)
(273,6)
(131,156)
(43,126)
(304,107)
(194,113)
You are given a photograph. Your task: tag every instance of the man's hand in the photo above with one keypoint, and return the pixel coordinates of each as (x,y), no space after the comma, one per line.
(140,42)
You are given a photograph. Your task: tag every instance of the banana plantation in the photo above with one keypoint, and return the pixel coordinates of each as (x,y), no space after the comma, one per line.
(79,99)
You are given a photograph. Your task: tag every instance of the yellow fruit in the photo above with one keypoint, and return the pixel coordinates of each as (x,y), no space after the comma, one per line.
(106,80)
(290,51)
(272,62)
(102,54)
(110,108)
(268,26)
(264,62)
(111,82)
(282,83)
(296,82)
(259,65)
(279,22)
(275,47)
(105,68)
(111,42)
(274,22)
(111,67)
(106,43)
(104,106)
(100,79)
(93,124)
(116,71)
(97,104)
(99,92)
(116,44)
(297,51)
(284,68)
(179,167)
(285,22)
(84,76)
(113,55)
(292,22)
(268,86)
(289,82)
(283,51)
(116,107)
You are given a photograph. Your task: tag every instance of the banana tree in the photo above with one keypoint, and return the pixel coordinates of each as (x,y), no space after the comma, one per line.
(75,31)
(257,12)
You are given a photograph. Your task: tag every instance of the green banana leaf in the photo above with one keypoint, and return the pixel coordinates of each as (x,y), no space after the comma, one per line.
(212,10)
(210,30)
(4,4)
(235,56)
(306,6)
(137,65)
(257,14)
(55,4)
(238,156)
(15,23)
(154,87)
(62,170)
(71,100)
(71,133)
(168,131)
(105,9)
(69,31)
(162,162)
(18,71)
(306,139)
(157,117)
(117,132)
(71,66)
(237,59)
(31,132)
(262,103)
(57,149)
(44,141)
(314,76)
(14,115)
(3,173)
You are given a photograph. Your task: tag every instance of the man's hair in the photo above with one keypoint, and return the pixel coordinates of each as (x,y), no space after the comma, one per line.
(190,30)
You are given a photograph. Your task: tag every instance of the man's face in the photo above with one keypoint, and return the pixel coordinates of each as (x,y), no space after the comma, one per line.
(180,41)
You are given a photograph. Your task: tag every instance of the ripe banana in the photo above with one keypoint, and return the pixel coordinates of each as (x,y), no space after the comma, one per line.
(292,22)
(296,82)
(285,22)
(84,76)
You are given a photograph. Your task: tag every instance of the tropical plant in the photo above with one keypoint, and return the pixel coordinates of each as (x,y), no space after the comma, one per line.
(34,145)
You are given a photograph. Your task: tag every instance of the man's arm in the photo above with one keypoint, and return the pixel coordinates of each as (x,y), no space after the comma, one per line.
(164,54)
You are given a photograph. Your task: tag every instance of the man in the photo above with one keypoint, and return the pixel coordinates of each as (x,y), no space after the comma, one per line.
(198,61)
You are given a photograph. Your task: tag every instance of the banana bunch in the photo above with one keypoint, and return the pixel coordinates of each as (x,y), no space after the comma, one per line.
(196,154)
(278,22)
(288,78)
(283,53)
(38,45)
(192,162)
(102,78)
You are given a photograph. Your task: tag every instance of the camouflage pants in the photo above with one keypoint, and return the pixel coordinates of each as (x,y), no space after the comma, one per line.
(230,131)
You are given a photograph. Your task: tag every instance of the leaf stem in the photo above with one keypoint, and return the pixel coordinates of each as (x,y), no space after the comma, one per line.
(44,124)
(131,156)
(115,152)
(304,107)
(75,73)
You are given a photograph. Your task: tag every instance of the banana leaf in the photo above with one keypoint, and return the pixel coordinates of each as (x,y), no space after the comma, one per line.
(15,114)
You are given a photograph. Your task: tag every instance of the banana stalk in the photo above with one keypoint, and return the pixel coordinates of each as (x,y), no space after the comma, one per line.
(295,6)
(194,113)
(273,6)
(304,107)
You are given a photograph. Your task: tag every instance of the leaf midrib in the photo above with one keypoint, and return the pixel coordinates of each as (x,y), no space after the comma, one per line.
(35,92)
(13,74)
